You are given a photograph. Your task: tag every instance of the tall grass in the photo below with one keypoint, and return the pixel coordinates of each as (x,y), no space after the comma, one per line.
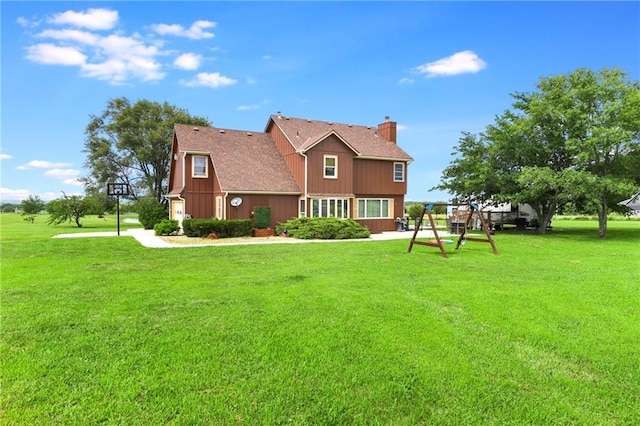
(103,330)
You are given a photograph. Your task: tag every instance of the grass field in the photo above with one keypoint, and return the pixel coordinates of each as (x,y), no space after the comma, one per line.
(105,331)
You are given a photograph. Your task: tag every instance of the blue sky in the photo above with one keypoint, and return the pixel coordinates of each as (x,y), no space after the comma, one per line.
(437,68)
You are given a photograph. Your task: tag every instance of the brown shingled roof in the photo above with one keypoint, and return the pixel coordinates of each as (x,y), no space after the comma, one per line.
(243,160)
(365,141)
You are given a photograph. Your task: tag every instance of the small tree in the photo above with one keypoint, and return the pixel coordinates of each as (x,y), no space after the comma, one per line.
(70,209)
(151,212)
(31,207)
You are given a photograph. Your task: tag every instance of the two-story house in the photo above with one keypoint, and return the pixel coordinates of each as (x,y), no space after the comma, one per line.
(298,167)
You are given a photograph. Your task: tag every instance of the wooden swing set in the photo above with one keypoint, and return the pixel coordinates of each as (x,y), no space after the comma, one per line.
(439,242)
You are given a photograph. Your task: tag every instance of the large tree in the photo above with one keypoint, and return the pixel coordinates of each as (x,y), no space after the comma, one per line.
(131,143)
(575,139)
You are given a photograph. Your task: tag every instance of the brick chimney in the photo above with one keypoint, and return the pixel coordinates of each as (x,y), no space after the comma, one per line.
(388,130)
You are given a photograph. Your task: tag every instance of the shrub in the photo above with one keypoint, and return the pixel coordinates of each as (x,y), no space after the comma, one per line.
(222,228)
(262,218)
(151,212)
(167,227)
(323,228)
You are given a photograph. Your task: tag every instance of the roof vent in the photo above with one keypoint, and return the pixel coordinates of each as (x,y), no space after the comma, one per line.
(376,134)
(330,124)
(349,125)
(297,133)
(249,134)
(279,116)
(221,130)
(368,127)
(308,121)
(286,118)
(195,129)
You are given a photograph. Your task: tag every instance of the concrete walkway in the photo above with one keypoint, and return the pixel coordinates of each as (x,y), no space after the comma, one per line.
(147,238)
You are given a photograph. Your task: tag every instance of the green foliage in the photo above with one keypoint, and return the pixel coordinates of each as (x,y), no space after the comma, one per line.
(30,207)
(222,228)
(324,228)
(166,227)
(133,142)
(414,210)
(151,212)
(262,217)
(576,140)
(71,208)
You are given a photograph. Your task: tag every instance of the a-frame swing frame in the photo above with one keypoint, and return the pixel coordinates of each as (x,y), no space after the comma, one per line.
(438,242)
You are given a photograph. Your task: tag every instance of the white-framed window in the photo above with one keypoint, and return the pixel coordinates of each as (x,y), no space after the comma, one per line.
(330,207)
(375,208)
(398,172)
(199,166)
(303,208)
(331,166)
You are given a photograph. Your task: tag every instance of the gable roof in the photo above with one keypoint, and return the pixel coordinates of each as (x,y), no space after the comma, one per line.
(365,141)
(244,161)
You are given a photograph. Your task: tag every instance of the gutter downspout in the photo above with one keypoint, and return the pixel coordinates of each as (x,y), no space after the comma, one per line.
(306,198)
(224,206)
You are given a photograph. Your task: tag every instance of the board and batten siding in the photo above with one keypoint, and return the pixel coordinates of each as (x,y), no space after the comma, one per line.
(376,177)
(317,183)
(293,160)
(199,192)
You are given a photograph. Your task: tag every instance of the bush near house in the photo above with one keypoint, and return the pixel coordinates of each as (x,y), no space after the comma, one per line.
(222,228)
(151,212)
(324,228)
(167,227)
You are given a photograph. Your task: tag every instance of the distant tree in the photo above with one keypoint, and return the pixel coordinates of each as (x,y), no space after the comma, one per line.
(132,142)
(30,207)
(575,140)
(8,207)
(71,208)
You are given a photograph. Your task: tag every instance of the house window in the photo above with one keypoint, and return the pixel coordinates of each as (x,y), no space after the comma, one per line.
(330,207)
(303,208)
(374,208)
(331,166)
(200,166)
(398,172)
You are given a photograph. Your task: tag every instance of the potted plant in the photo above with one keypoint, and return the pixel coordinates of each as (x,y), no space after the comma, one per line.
(262,222)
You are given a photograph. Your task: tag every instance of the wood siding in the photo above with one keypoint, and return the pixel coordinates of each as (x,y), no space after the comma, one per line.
(294,161)
(317,183)
(175,169)
(199,192)
(375,177)
(283,207)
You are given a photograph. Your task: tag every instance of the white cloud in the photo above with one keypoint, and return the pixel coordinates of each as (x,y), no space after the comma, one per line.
(24,22)
(188,61)
(401,127)
(73,182)
(254,106)
(116,57)
(5,157)
(213,79)
(39,164)
(93,19)
(62,174)
(458,63)
(46,53)
(406,80)
(78,36)
(251,80)
(14,194)
(267,57)
(195,32)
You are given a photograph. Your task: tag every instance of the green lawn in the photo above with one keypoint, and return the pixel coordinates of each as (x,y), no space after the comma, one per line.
(103,330)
